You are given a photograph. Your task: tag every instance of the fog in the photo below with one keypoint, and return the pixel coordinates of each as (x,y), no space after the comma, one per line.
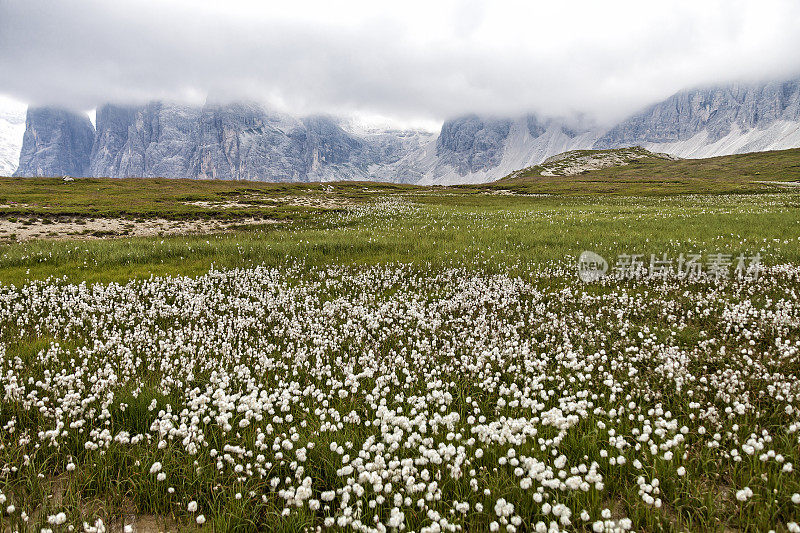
(415,62)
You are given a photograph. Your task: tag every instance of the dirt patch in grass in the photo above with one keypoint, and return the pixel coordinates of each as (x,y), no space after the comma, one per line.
(256,201)
(139,522)
(149,524)
(14,205)
(96,228)
(221,205)
(318,202)
(507,192)
(780,183)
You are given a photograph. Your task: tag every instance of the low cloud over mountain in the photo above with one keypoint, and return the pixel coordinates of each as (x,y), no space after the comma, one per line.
(246,141)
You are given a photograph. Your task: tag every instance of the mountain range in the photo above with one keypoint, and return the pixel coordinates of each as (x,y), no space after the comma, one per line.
(246,141)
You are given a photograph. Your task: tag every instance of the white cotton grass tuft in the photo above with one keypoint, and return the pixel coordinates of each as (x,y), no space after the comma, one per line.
(360,396)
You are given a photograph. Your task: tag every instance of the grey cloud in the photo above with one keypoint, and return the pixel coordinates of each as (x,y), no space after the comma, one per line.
(81,53)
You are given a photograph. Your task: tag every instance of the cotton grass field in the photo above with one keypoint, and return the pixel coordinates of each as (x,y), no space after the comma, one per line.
(416,360)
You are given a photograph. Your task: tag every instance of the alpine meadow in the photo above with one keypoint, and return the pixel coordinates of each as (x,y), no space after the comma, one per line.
(380,357)
(431,266)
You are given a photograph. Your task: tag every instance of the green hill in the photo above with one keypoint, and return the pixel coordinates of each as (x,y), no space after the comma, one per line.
(639,172)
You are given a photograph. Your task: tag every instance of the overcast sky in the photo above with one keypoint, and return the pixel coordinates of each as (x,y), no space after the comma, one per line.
(415,61)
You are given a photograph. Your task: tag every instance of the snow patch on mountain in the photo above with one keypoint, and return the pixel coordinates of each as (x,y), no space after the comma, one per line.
(12,130)
(779,135)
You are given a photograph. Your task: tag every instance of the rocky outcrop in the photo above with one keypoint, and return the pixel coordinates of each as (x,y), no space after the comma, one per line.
(56,142)
(580,161)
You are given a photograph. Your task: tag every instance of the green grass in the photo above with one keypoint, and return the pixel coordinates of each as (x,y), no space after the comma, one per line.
(167,198)
(171,198)
(648,207)
(492,231)
(655,176)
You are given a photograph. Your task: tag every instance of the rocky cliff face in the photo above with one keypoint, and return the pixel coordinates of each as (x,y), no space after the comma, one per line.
(113,123)
(161,142)
(472,144)
(329,151)
(243,141)
(476,149)
(154,140)
(56,142)
(715,121)
(237,141)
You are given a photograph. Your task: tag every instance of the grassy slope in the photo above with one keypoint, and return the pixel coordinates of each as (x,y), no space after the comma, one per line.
(656,176)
